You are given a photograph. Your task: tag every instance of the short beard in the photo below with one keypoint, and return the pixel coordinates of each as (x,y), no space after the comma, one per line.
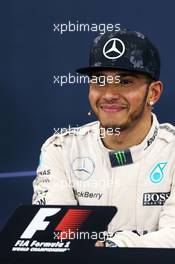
(133,119)
(113,128)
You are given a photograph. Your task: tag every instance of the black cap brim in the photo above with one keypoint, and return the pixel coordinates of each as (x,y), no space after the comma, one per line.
(89,70)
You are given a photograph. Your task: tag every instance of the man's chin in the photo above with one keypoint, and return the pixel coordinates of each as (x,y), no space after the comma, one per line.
(113,125)
(113,118)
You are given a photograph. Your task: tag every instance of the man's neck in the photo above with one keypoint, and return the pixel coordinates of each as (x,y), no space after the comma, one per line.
(129,137)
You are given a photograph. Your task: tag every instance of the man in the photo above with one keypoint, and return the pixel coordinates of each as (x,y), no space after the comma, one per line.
(131,165)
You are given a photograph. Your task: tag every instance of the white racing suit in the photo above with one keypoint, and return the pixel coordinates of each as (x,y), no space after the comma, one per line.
(76,168)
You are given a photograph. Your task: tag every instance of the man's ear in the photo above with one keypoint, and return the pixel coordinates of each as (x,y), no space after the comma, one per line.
(155,91)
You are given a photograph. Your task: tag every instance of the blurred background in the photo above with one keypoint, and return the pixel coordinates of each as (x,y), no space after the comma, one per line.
(32,53)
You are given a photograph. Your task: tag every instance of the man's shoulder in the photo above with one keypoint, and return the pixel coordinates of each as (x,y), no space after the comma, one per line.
(65,134)
(167,132)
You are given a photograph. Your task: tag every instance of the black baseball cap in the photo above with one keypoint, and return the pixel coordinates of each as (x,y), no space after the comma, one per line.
(123,50)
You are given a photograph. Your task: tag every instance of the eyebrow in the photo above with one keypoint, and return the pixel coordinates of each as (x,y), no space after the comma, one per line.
(125,74)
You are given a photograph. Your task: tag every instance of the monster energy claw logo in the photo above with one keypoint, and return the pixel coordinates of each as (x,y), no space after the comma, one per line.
(120,156)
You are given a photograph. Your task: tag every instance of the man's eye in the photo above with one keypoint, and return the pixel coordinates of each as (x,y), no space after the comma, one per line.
(101,81)
(126,82)
(98,80)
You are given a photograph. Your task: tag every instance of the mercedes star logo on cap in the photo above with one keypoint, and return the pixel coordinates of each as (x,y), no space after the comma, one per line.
(113,46)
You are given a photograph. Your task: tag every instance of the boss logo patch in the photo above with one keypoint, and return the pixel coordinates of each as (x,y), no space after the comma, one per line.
(155,198)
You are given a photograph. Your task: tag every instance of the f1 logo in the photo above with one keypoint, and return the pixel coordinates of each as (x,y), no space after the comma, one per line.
(70,222)
(38,222)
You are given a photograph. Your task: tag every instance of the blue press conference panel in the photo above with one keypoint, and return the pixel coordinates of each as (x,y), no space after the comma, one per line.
(31,53)
(14,191)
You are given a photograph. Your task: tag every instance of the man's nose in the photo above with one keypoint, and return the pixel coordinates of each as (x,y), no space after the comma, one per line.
(111,92)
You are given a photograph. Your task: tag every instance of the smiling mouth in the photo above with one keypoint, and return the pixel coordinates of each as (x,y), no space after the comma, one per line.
(112,108)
